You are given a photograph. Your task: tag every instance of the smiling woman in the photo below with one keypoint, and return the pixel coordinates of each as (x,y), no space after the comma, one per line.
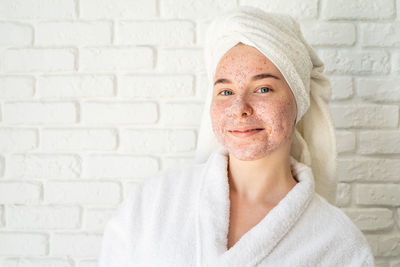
(253,113)
(262,190)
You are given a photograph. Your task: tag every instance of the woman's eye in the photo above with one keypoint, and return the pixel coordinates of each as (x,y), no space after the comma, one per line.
(225,92)
(264,89)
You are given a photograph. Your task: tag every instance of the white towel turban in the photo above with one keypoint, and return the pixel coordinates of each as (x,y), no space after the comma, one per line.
(279,38)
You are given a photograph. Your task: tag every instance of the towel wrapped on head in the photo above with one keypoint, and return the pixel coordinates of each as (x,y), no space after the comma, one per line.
(279,38)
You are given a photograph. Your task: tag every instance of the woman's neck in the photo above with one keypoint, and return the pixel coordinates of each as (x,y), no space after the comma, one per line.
(267,179)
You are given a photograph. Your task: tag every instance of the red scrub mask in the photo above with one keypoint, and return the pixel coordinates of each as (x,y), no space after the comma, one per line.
(263,105)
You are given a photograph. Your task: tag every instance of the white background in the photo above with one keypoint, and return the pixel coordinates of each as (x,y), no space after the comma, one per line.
(96,95)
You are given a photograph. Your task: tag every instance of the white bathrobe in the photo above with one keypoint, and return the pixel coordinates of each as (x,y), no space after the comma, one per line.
(180,217)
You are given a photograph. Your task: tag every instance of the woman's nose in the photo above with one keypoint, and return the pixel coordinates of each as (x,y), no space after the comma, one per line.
(241,108)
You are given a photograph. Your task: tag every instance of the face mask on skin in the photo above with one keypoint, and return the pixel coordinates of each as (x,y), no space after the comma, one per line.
(245,100)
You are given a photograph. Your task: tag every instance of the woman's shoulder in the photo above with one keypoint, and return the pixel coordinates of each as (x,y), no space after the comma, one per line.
(331,218)
(338,230)
(159,191)
(330,213)
(165,186)
(182,175)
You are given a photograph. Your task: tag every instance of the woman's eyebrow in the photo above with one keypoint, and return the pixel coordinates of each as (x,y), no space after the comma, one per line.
(263,76)
(254,78)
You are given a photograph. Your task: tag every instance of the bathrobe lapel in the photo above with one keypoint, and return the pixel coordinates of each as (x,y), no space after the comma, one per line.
(258,242)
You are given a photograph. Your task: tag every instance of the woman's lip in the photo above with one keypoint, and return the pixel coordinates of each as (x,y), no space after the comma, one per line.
(246,133)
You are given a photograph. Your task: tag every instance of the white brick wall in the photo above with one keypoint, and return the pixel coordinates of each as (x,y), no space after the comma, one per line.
(43,217)
(38,59)
(358,9)
(96,95)
(16,87)
(38,9)
(162,32)
(115,58)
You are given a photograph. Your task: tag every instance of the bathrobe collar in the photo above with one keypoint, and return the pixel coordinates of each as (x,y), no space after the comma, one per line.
(258,242)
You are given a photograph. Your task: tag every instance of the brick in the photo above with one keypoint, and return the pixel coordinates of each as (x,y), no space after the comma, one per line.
(116,58)
(201,29)
(364,115)
(398,216)
(26,244)
(379,142)
(369,169)
(39,59)
(119,166)
(371,219)
(96,219)
(182,114)
(2,165)
(180,60)
(16,34)
(73,33)
(202,86)
(389,245)
(43,217)
(378,194)
(158,141)
(380,34)
(396,63)
(398,17)
(343,196)
(17,139)
(39,112)
(97,193)
(345,141)
(342,88)
(357,9)
(355,62)
(76,245)
(120,113)
(37,9)
(329,33)
(296,8)
(194,9)
(164,33)
(120,9)
(151,86)
(79,139)
(77,86)
(37,262)
(381,263)
(43,166)
(19,193)
(1,216)
(382,89)
(15,87)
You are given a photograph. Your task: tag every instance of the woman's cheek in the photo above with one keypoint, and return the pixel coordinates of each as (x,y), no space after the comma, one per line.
(279,114)
(217,113)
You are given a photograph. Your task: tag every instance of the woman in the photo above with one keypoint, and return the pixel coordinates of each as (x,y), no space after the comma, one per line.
(259,194)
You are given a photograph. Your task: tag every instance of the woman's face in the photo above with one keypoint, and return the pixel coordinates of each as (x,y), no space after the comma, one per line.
(253,110)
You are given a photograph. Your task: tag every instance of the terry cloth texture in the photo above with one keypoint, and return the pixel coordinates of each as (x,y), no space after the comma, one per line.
(279,38)
(180,217)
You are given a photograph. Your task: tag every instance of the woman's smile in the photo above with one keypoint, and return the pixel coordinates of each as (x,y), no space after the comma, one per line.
(245,133)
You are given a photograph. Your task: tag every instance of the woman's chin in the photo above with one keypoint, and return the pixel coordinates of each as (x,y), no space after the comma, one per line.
(247,154)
